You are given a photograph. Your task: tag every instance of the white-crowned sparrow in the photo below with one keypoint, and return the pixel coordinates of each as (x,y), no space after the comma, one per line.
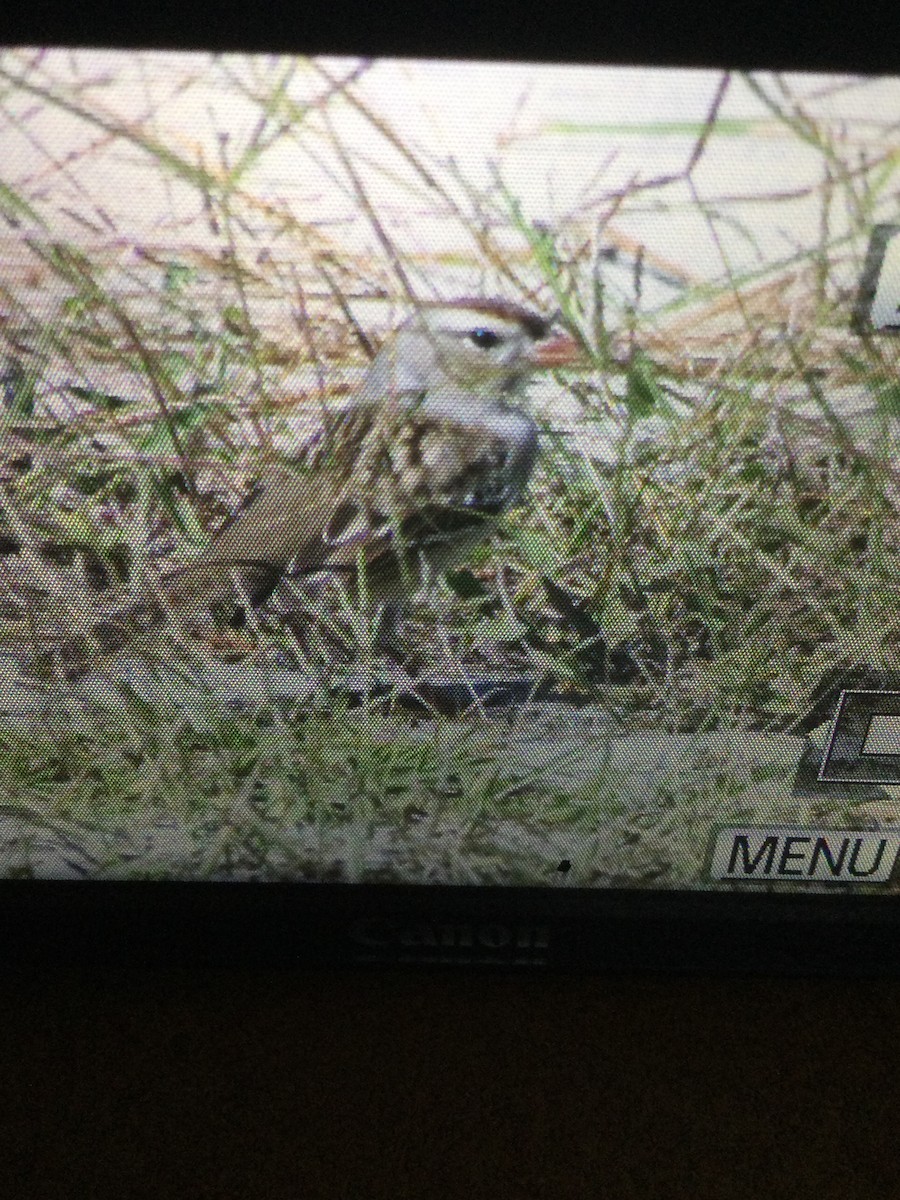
(430,452)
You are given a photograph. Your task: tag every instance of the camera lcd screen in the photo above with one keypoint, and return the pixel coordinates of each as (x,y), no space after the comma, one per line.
(441,472)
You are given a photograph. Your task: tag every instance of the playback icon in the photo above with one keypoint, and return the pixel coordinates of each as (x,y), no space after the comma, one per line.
(864,744)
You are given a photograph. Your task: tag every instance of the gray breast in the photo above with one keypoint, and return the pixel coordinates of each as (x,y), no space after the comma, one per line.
(500,473)
(519,433)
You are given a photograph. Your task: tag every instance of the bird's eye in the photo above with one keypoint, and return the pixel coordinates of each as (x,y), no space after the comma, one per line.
(484,339)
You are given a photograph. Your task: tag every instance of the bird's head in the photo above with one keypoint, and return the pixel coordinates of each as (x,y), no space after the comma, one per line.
(483,348)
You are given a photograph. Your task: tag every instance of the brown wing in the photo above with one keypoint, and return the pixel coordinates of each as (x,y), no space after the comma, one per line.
(387,483)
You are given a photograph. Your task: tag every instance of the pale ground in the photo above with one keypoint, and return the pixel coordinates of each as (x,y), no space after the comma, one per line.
(564,140)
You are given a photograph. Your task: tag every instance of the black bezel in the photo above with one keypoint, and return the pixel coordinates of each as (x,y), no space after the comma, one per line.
(308,925)
(190,923)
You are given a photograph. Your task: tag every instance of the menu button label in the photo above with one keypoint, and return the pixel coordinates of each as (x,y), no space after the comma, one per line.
(804,855)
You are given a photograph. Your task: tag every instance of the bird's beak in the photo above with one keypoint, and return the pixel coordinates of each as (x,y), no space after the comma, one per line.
(559,350)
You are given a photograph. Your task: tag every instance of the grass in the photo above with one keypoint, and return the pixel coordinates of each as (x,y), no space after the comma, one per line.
(724,128)
(162,792)
(695,557)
